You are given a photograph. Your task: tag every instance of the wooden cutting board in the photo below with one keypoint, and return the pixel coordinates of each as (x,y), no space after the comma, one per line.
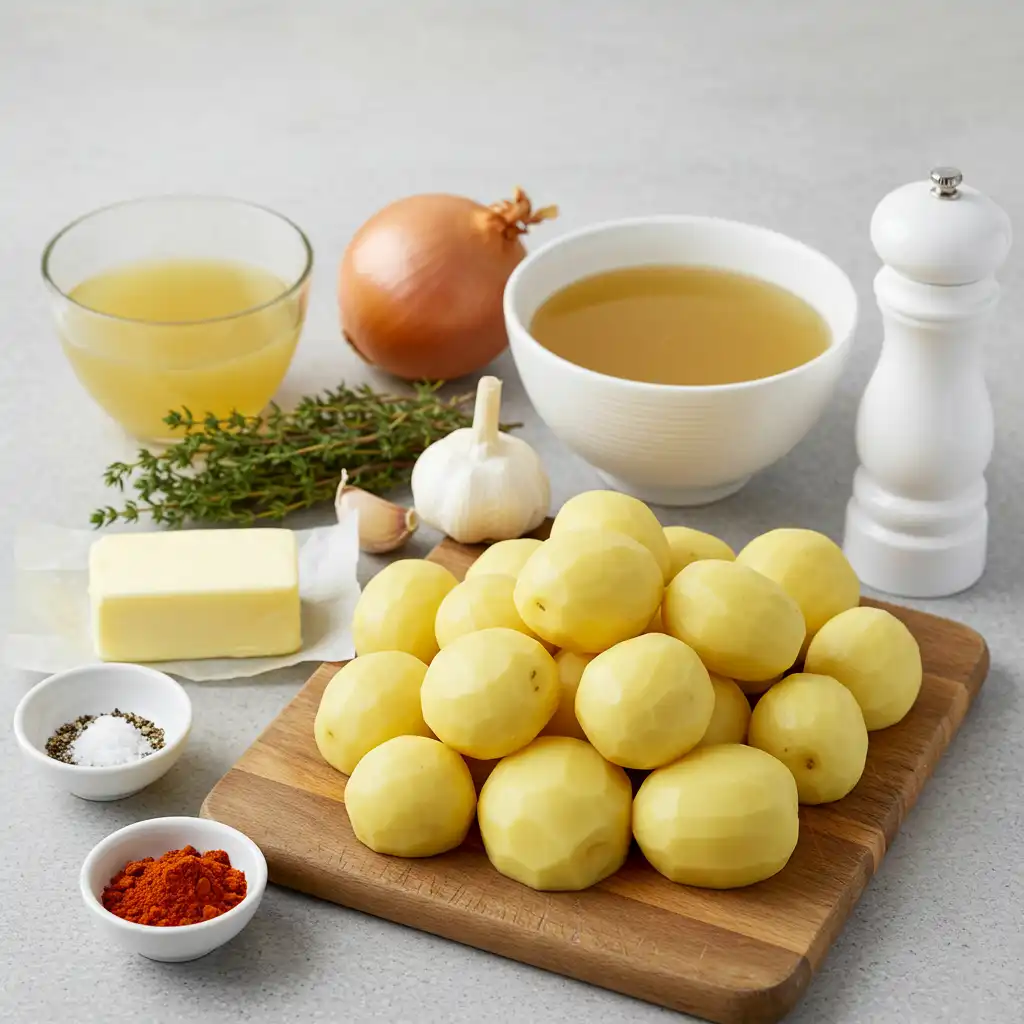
(737,957)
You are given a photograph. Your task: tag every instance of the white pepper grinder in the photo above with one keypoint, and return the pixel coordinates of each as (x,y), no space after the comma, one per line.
(917,524)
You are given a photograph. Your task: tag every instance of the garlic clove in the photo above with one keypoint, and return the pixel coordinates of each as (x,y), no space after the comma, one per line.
(383,525)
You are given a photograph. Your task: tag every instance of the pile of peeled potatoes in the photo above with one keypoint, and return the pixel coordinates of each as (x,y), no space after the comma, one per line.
(617,681)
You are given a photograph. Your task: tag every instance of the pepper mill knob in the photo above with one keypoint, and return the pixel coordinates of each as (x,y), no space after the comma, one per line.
(945,181)
(917,523)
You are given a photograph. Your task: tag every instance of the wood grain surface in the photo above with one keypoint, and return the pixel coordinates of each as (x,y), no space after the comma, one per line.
(743,956)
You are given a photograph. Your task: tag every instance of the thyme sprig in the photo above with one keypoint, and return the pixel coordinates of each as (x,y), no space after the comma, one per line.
(246,469)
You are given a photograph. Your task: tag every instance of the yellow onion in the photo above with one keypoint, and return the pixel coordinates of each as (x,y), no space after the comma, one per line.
(420,285)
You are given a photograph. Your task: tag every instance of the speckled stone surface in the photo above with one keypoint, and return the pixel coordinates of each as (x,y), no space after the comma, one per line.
(800,116)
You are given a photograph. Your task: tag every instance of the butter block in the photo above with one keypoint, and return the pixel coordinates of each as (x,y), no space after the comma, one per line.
(195,594)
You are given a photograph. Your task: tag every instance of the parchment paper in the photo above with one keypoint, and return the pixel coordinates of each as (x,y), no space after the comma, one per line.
(51,629)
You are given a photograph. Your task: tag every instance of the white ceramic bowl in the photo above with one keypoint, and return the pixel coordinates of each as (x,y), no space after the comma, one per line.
(674,444)
(97,690)
(153,838)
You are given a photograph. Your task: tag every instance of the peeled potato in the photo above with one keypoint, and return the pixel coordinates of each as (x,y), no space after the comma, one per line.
(646,701)
(397,608)
(411,797)
(811,568)
(504,558)
(480,770)
(814,726)
(731,716)
(570,671)
(721,817)
(478,603)
(742,624)
(373,698)
(657,624)
(875,657)
(489,693)
(755,689)
(556,815)
(612,510)
(688,545)
(586,590)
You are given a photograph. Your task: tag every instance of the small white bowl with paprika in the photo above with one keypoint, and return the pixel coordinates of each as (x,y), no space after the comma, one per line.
(174,943)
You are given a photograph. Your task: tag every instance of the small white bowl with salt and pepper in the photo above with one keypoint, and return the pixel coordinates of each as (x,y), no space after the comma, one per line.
(104,732)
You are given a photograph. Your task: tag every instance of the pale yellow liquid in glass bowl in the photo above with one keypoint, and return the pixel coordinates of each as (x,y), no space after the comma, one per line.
(203,333)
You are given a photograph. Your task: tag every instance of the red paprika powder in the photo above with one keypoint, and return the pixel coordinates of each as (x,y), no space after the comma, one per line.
(181,887)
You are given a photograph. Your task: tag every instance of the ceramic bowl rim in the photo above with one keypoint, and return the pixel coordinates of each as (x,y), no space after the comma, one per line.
(254,887)
(101,771)
(837,345)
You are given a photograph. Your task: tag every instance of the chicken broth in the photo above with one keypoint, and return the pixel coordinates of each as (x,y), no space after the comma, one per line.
(680,325)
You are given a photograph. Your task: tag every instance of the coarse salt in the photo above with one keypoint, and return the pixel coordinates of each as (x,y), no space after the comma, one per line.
(109,740)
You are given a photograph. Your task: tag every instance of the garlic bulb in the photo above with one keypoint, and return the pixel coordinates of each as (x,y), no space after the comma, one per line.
(383,525)
(478,484)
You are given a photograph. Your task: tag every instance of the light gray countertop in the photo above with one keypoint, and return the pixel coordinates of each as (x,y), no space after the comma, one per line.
(799,116)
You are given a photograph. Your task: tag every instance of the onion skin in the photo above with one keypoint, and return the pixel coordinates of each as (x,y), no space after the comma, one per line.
(420,285)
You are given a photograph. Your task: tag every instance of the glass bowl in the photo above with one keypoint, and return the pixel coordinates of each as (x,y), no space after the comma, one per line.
(179,302)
